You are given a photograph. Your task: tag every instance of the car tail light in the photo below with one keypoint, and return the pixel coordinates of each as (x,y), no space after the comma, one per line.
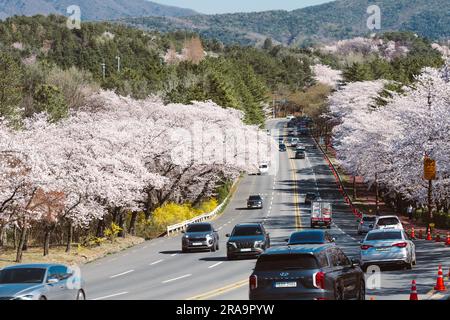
(319,280)
(253,282)
(365,247)
(400,245)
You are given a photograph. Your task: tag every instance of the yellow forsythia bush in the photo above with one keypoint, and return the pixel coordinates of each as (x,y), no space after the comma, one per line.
(172,213)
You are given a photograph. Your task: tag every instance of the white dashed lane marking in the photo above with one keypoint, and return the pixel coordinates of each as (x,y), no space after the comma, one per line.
(121,274)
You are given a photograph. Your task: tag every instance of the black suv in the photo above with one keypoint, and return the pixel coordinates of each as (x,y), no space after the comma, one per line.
(282,147)
(310,237)
(310,197)
(306,272)
(255,202)
(200,236)
(300,154)
(250,239)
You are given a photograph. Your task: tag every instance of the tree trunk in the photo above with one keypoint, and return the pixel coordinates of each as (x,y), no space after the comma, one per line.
(100,229)
(377,200)
(48,232)
(25,243)
(23,236)
(354,189)
(2,236)
(69,237)
(121,223)
(15,237)
(132,227)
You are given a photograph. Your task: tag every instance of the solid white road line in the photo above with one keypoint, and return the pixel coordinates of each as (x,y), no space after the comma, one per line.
(121,274)
(156,262)
(110,296)
(175,279)
(215,265)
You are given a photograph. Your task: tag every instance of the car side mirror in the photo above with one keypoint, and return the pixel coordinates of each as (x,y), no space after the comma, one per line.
(286,240)
(227,235)
(215,231)
(52,280)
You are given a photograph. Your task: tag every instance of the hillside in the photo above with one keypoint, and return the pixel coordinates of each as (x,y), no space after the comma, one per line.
(331,21)
(91,9)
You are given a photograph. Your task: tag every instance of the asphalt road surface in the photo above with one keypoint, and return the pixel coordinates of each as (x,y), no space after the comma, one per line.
(157,270)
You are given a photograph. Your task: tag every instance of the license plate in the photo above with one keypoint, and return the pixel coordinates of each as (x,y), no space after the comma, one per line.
(246,250)
(383,249)
(197,244)
(285,284)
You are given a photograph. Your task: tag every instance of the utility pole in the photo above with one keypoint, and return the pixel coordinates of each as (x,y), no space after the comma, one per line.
(430,180)
(118,64)
(103,70)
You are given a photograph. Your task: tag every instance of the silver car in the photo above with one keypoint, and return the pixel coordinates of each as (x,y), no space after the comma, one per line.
(387,247)
(388,222)
(366,224)
(41,282)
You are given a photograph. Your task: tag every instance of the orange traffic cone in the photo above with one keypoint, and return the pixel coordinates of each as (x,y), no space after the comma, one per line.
(447,243)
(440,281)
(413,234)
(438,238)
(413,295)
(429,235)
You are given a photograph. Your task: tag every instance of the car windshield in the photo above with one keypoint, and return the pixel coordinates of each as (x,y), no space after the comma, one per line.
(286,262)
(247,231)
(369,219)
(306,237)
(394,235)
(264,166)
(22,275)
(387,221)
(311,195)
(199,228)
(255,198)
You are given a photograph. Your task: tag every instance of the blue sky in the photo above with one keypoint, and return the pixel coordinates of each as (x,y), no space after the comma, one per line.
(219,6)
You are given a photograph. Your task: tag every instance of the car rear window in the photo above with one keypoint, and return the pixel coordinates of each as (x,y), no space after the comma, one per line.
(22,275)
(199,228)
(306,237)
(391,235)
(247,231)
(369,219)
(387,221)
(286,262)
(255,198)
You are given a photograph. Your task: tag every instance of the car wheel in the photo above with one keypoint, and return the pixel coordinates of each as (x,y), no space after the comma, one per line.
(338,295)
(409,265)
(81,295)
(217,246)
(362,291)
(42,298)
(213,248)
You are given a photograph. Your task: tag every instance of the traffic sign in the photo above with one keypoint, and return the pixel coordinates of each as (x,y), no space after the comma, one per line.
(429,169)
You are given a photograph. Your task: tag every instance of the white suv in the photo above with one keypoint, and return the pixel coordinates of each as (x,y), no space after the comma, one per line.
(263,168)
(388,222)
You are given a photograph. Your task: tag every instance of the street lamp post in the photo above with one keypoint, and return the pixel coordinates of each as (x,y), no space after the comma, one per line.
(118,64)
(103,70)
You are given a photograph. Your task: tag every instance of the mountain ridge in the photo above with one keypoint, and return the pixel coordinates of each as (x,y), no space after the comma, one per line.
(92,9)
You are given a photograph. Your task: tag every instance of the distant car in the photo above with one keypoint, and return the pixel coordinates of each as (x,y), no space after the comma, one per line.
(282,147)
(290,117)
(388,222)
(200,236)
(366,224)
(41,282)
(300,148)
(268,132)
(250,239)
(387,247)
(300,155)
(263,169)
(310,237)
(308,272)
(294,142)
(255,202)
(310,197)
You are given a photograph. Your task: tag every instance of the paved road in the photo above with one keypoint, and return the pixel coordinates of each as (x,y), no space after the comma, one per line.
(157,270)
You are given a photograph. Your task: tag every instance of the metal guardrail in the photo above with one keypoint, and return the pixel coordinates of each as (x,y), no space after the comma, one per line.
(204,217)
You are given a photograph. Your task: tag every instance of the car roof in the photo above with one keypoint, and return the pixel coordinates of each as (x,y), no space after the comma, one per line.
(248,225)
(200,223)
(384,230)
(381,217)
(34,266)
(322,232)
(298,249)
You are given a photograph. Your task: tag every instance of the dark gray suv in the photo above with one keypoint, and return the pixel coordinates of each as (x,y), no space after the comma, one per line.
(306,272)
(249,239)
(200,236)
